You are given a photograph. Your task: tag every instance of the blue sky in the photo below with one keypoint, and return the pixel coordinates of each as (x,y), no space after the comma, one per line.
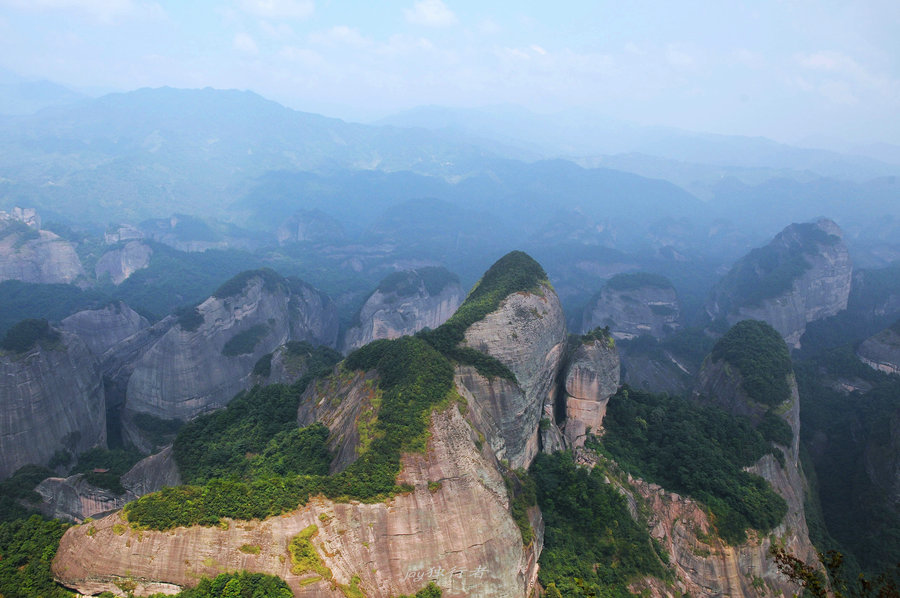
(785,69)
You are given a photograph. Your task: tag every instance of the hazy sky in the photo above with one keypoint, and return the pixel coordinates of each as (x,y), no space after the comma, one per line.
(785,69)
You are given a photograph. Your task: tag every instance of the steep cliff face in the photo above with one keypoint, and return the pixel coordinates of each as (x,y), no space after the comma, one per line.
(51,398)
(458,532)
(75,499)
(405,303)
(527,334)
(312,226)
(200,365)
(100,329)
(33,255)
(633,305)
(591,377)
(803,275)
(735,378)
(120,263)
(882,351)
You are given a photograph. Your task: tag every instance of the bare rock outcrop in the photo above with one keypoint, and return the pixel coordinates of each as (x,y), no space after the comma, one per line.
(633,305)
(123,261)
(591,377)
(527,334)
(200,362)
(33,255)
(51,398)
(404,303)
(309,226)
(103,328)
(882,351)
(803,275)
(454,527)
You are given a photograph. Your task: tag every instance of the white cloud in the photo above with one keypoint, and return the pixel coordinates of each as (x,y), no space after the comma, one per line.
(341,35)
(828,61)
(106,11)
(432,13)
(278,9)
(245,43)
(678,57)
(536,48)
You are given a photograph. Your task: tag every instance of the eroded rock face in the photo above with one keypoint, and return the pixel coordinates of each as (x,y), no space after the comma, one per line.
(122,262)
(32,255)
(310,226)
(816,261)
(634,305)
(527,334)
(187,372)
(51,398)
(103,328)
(405,308)
(463,526)
(882,351)
(592,376)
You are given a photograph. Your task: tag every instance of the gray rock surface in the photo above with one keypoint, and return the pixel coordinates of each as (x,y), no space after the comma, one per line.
(186,372)
(882,351)
(527,334)
(32,255)
(591,377)
(51,398)
(392,313)
(123,261)
(103,328)
(634,309)
(820,291)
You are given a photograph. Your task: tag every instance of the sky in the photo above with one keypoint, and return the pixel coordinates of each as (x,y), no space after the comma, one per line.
(804,71)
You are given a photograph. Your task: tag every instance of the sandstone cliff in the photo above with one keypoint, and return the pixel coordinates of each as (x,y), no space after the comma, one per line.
(123,261)
(404,303)
(527,334)
(591,377)
(75,499)
(803,275)
(33,255)
(103,328)
(882,351)
(633,305)
(51,398)
(454,527)
(309,226)
(200,365)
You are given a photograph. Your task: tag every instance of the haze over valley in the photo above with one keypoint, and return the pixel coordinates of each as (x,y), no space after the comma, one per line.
(435,299)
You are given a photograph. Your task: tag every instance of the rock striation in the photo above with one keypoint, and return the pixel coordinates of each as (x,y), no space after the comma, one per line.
(122,261)
(51,398)
(203,359)
(404,303)
(633,305)
(460,534)
(882,351)
(803,275)
(591,377)
(33,255)
(527,334)
(103,328)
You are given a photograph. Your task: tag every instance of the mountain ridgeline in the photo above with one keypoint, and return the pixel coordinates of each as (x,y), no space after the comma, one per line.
(370,466)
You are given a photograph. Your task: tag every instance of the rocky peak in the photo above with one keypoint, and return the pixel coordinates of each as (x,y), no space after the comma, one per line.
(122,261)
(102,328)
(591,377)
(208,353)
(882,351)
(310,226)
(404,303)
(633,305)
(33,255)
(514,318)
(803,275)
(51,396)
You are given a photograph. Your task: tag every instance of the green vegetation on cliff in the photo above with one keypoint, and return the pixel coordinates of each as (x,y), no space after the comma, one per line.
(235,286)
(696,450)
(104,467)
(244,343)
(17,491)
(27,547)
(23,336)
(253,463)
(592,545)
(515,272)
(759,353)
